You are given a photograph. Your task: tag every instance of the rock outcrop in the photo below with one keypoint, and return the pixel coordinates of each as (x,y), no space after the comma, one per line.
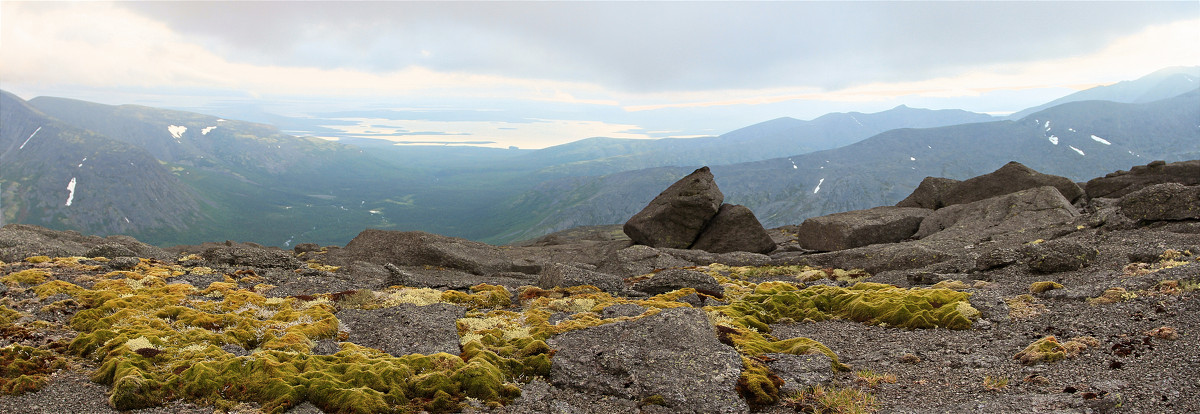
(1010,178)
(416,248)
(860,228)
(405,329)
(1169,201)
(690,214)
(929,193)
(1022,210)
(677,216)
(1120,183)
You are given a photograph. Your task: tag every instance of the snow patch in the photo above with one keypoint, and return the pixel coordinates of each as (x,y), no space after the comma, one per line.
(376,212)
(912,158)
(856,120)
(1054,140)
(71,188)
(1071,129)
(1047,125)
(30,137)
(1100,140)
(81,162)
(794,167)
(176,131)
(1076,150)
(205,131)
(126,219)
(815,190)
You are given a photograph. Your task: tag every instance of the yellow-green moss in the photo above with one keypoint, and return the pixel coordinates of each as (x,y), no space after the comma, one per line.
(1039,287)
(37,259)
(757,384)
(1024,307)
(8,316)
(1113,295)
(821,399)
(1045,350)
(24,369)
(27,277)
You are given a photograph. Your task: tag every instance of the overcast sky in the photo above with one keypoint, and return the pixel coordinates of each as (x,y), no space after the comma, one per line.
(569,70)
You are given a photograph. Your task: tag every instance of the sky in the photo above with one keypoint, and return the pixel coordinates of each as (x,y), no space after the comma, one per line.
(535,74)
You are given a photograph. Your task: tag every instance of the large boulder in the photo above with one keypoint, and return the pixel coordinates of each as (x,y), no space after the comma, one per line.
(674,279)
(859,228)
(674,354)
(405,329)
(416,248)
(1120,183)
(929,193)
(874,258)
(251,256)
(1058,256)
(1015,212)
(1170,201)
(18,241)
(734,229)
(1010,178)
(677,216)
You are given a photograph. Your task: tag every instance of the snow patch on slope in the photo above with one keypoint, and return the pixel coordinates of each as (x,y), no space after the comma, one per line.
(815,190)
(71,188)
(30,137)
(176,131)
(1054,140)
(1100,140)
(1076,150)
(205,131)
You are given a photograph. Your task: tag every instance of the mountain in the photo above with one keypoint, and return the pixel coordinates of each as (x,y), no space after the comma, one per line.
(1161,84)
(770,139)
(62,177)
(1077,140)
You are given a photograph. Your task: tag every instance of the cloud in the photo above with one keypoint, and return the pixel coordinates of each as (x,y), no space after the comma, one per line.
(662,46)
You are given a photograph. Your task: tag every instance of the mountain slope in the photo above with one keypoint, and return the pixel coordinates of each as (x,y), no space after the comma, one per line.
(63,177)
(1161,84)
(1077,140)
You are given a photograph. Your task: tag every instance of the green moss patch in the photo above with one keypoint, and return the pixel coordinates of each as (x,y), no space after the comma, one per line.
(24,369)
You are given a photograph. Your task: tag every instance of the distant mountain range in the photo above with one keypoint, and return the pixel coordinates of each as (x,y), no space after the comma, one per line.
(172,177)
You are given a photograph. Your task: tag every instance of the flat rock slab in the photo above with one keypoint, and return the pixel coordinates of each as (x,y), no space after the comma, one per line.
(1120,183)
(677,216)
(674,279)
(929,193)
(405,329)
(1014,212)
(1170,201)
(416,248)
(674,354)
(859,228)
(561,275)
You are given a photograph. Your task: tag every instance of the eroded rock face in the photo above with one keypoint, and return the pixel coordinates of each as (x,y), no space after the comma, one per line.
(1027,209)
(561,275)
(1058,256)
(677,216)
(673,354)
(416,248)
(1010,178)
(405,329)
(259,257)
(859,228)
(1170,201)
(929,193)
(734,229)
(1120,183)
(673,279)
(18,241)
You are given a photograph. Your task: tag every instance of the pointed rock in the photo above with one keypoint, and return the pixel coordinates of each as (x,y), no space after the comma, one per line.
(929,193)
(677,216)
(1010,178)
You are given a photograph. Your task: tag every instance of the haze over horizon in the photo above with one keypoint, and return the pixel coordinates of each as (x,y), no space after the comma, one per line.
(539,74)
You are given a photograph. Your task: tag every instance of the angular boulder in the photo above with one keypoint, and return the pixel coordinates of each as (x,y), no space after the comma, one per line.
(929,193)
(1120,183)
(674,354)
(1010,178)
(734,229)
(1170,201)
(1022,210)
(674,279)
(1058,256)
(417,248)
(859,228)
(561,275)
(251,256)
(677,216)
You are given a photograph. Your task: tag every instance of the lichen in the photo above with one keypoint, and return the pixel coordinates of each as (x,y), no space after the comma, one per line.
(1039,287)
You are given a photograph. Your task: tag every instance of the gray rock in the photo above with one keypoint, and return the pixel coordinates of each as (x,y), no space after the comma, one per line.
(996,258)
(124,263)
(1010,178)
(734,229)
(639,260)
(1009,213)
(875,258)
(991,305)
(561,275)
(859,228)
(110,250)
(622,309)
(259,257)
(416,248)
(800,371)
(306,247)
(1058,256)
(1120,183)
(742,259)
(1170,201)
(929,193)
(675,279)
(677,216)
(405,329)
(18,241)
(674,354)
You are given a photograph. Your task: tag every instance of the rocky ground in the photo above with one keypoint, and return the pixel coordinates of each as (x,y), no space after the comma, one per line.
(1011,292)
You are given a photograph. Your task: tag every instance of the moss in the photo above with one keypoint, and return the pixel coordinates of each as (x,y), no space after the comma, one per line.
(24,369)
(821,399)
(1045,350)
(483,296)
(1039,287)
(757,384)
(37,259)
(1024,307)
(656,399)
(8,316)
(1113,295)
(26,277)
(950,284)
